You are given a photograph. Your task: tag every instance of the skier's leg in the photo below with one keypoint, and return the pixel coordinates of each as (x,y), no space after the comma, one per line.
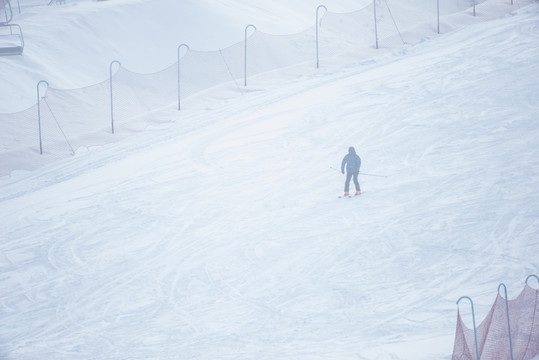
(347,182)
(356,183)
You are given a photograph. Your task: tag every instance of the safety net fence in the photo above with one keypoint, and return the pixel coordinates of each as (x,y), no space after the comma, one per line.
(509,331)
(64,121)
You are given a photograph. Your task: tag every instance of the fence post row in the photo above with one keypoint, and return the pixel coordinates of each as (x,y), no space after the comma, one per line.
(245,52)
(474,328)
(111,99)
(245,73)
(179,48)
(39,114)
(507,312)
(316,26)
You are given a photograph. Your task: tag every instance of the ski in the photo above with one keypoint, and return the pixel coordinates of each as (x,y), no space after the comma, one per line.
(350,196)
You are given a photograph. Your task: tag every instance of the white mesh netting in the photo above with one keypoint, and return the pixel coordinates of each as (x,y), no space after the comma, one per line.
(74,118)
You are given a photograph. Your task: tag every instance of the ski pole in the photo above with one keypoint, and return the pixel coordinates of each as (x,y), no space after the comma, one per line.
(383,176)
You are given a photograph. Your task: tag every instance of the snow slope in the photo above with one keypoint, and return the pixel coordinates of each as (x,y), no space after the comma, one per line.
(219,234)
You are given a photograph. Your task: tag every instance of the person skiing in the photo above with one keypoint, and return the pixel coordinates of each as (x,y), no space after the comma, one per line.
(353,163)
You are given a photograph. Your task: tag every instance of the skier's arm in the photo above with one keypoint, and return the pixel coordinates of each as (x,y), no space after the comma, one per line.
(342,164)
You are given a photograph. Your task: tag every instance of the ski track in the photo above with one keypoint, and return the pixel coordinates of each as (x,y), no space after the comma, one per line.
(221,236)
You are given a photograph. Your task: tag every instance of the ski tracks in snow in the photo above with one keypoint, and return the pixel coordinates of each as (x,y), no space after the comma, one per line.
(222,237)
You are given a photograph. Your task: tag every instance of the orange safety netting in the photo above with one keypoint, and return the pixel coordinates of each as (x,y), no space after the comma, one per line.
(493,340)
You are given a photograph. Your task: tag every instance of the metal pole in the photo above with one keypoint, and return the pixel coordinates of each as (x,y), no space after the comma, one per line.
(474,328)
(438,13)
(473,7)
(111,100)
(179,47)
(362,173)
(245,52)
(318,8)
(508,323)
(375,25)
(39,114)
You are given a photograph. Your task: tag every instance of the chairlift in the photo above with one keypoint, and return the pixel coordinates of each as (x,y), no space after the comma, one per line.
(11,38)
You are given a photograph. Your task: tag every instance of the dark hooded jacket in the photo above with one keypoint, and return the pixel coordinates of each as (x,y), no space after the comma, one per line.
(352,161)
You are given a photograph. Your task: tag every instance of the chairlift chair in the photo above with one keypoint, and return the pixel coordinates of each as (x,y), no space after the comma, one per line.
(11,38)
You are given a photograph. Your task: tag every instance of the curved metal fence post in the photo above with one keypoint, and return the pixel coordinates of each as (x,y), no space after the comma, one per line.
(317,9)
(111,99)
(375,25)
(530,276)
(508,323)
(474,328)
(245,52)
(179,48)
(39,114)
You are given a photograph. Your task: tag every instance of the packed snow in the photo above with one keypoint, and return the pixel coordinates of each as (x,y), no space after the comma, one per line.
(216,232)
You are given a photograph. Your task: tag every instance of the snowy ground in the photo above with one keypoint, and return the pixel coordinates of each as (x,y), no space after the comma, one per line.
(219,234)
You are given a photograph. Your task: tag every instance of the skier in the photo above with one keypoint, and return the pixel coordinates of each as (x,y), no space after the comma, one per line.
(353,163)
